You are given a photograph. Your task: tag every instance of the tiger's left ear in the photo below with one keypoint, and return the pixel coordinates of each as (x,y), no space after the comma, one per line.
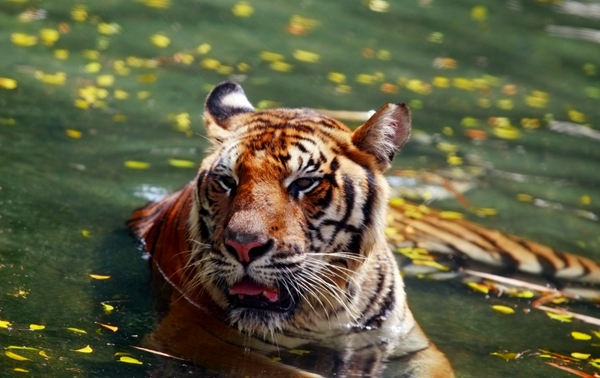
(384,133)
(223,102)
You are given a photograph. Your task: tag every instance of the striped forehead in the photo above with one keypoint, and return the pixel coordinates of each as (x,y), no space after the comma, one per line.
(297,144)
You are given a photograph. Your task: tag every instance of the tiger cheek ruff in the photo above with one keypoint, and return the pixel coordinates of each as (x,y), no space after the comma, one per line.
(279,242)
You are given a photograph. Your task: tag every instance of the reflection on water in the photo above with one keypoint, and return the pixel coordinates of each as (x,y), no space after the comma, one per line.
(100,104)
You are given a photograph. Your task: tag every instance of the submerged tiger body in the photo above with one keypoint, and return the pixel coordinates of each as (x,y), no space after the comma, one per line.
(280,242)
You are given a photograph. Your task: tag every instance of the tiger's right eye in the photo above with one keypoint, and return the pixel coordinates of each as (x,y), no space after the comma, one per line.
(227,182)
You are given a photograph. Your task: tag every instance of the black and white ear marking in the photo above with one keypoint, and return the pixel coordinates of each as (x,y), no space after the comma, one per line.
(384,133)
(224,101)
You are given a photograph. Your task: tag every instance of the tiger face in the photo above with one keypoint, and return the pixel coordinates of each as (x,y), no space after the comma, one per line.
(288,213)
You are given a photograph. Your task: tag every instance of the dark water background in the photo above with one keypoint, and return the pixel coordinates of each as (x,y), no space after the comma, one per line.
(461,65)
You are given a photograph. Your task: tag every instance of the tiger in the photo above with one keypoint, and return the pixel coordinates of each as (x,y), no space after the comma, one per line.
(279,243)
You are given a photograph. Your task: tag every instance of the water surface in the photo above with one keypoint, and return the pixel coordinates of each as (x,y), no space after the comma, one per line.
(524,74)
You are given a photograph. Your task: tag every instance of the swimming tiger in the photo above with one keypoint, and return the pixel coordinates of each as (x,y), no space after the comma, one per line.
(279,242)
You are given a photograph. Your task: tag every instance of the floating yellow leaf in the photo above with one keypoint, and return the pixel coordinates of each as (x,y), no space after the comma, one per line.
(525,294)
(17,347)
(441,82)
(5,324)
(566,318)
(179,163)
(503,309)
(105,80)
(21,370)
(107,308)
(61,54)
(506,104)
(79,13)
(43,354)
(336,77)
(366,79)
(22,39)
(463,83)
(58,78)
(580,356)
(92,67)
(147,78)
(160,40)
(269,56)
(447,147)
(108,326)
(383,54)
(75,134)
(380,6)
(281,66)
(530,123)
(225,70)
(49,36)
(7,83)
(397,202)
(142,95)
(15,356)
(109,29)
(76,330)
(120,94)
(436,37)
(451,215)
(36,327)
(580,336)
(157,3)
(431,264)
(204,48)
(506,356)
(415,253)
(509,133)
(576,116)
(306,56)
(81,104)
(130,360)
(592,92)
(524,197)
(479,13)
(418,86)
(99,277)
(242,9)
(85,349)
(136,164)
(454,160)
(479,287)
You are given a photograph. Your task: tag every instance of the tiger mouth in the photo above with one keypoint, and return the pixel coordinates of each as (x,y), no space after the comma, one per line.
(250,294)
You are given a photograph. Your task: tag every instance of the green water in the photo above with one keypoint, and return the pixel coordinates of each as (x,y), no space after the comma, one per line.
(66,192)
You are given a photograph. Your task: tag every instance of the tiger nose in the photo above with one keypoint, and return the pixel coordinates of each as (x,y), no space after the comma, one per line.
(247,251)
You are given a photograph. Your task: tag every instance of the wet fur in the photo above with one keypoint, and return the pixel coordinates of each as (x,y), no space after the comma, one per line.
(328,249)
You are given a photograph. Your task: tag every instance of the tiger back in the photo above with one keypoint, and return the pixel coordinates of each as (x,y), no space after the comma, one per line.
(280,242)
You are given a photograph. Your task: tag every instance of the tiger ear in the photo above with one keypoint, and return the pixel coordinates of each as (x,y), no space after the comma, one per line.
(223,102)
(384,133)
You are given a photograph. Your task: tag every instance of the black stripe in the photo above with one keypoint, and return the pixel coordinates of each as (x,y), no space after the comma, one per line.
(367,207)
(372,300)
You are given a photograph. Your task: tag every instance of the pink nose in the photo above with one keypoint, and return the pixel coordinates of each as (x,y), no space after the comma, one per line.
(246,252)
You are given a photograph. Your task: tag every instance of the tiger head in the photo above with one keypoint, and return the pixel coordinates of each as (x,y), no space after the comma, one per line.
(289,210)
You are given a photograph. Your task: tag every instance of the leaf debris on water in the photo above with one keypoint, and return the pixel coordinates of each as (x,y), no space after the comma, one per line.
(108,326)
